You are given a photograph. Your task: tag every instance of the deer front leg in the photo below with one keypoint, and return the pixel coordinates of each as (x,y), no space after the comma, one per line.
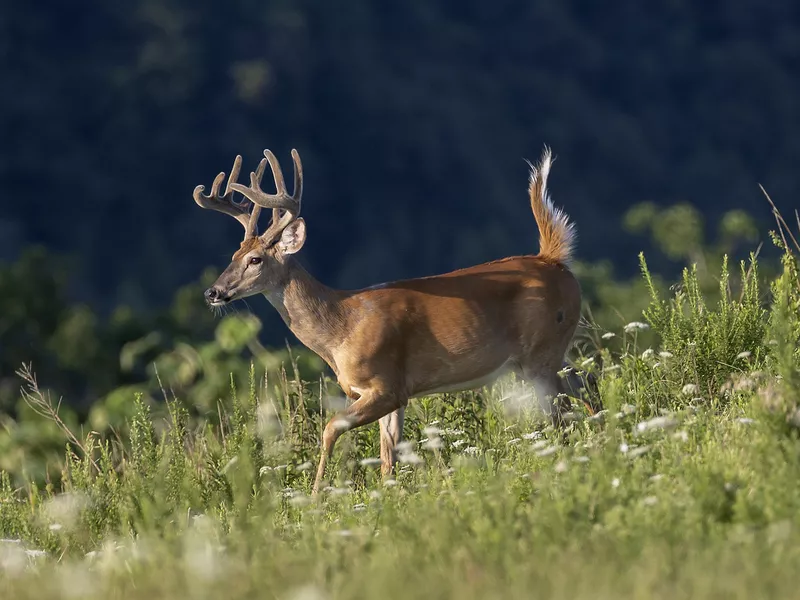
(391,435)
(371,406)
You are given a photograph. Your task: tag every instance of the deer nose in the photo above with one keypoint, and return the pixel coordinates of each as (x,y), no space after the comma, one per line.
(211,294)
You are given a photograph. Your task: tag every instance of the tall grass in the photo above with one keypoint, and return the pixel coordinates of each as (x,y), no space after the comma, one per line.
(686,486)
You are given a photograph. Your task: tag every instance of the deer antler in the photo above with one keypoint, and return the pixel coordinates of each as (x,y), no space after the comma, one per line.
(225,203)
(281,200)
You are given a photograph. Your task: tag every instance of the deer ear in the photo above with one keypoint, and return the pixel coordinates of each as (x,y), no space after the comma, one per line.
(293,237)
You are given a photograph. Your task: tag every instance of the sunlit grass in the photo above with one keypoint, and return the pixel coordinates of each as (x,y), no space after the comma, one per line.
(684,486)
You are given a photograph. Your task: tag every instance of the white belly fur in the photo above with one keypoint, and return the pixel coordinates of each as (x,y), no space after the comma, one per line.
(470,384)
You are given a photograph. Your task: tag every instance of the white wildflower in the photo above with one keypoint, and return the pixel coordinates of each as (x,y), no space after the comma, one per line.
(435,443)
(608,335)
(648,354)
(473,450)
(307,592)
(589,361)
(410,458)
(344,533)
(538,444)
(665,354)
(370,462)
(452,432)
(375,495)
(304,467)
(564,371)
(360,507)
(745,420)
(745,354)
(615,482)
(547,451)
(534,435)
(689,389)
(637,452)
(636,326)
(299,500)
(581,459)
(405,446)
(561,466)
(656,477)
(681,435)
(623,447)
(665,422)
(432,431)
(55,527)
(513,441)
(434,423)
(650,501)
(598,417)
(611,368)
(389,483)
(458,443)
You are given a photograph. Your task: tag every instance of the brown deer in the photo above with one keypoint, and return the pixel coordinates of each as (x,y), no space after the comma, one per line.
(405,339)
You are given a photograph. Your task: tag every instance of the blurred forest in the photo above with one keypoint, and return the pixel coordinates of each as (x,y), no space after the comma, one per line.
(413,120)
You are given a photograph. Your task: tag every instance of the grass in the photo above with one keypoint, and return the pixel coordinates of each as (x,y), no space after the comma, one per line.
(685,487)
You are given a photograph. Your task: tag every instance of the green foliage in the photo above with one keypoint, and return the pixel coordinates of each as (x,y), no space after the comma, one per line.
(386,104)
(707,344)
(664,491)
(507,510)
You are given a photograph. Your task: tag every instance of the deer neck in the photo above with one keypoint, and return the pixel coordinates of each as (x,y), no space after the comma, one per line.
(310,309)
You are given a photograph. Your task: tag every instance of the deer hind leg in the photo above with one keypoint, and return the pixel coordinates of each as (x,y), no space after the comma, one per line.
(391,435)
(371,406)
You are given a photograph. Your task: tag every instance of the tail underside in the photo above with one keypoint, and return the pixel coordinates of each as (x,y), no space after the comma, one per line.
(557,235)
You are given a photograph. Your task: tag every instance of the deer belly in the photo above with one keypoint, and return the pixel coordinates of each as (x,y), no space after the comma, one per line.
(468,382)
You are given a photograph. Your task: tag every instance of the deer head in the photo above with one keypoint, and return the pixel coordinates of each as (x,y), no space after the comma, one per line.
(259,264)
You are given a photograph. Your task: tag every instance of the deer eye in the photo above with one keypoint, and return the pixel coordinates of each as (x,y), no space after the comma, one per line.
(256,260)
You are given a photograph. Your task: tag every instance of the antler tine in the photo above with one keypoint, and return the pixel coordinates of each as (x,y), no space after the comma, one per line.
(297,192)
(225,203)
(281,199)
(277,172)
(280,222)
(234,176)
(252,227)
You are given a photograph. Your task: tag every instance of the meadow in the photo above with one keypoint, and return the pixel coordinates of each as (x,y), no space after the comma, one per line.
(686,485)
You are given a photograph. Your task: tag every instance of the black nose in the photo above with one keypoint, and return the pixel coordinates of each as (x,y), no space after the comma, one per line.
(211,294)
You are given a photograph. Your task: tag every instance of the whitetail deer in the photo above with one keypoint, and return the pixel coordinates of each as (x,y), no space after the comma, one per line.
(400,340)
